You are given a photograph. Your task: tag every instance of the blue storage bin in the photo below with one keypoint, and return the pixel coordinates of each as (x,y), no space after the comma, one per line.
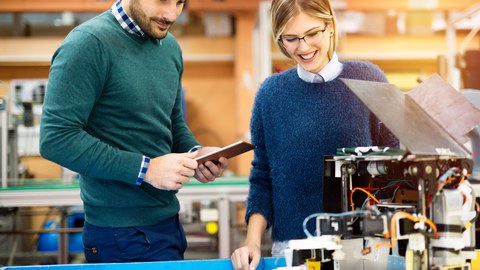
(48,242)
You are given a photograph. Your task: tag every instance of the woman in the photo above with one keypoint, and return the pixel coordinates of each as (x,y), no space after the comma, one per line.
(299,116)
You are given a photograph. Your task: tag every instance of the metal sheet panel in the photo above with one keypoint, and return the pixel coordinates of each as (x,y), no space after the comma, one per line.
(413,127)
(452,111)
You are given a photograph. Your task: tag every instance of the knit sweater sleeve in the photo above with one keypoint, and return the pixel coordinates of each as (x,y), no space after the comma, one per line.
(77,75)
(260,194)
(183,139)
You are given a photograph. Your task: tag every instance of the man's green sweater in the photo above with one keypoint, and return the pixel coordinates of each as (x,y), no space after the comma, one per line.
(113,97)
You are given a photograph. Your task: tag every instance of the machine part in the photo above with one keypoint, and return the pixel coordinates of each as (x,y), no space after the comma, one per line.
(348,169)
(415,260)
(414,199)
(351,168)
(301,256)
(427,173)
(8,145)
(405,196)
(474,135)
(469,218)
(329,242)
(4,142)
(354,259)
(422,204)
(416,242)
(475,139)
(404,228)
(378,257)
(376,168)
(327,216)
(316,248)
(401,115)
(463,266)
(446,212)
(374,225)
(405,207)
(313,265)
(366,224)
(330,226)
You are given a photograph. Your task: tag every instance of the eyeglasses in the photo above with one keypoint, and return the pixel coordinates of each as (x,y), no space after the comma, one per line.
(291,42)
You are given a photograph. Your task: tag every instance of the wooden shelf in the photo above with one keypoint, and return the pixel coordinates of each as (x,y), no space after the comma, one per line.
(397,53)
(38,51)
(102,5)
(55,5)
(223,5)
(383,5)
(27,51)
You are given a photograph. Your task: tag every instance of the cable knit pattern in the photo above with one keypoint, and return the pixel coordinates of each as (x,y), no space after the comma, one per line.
(294,124)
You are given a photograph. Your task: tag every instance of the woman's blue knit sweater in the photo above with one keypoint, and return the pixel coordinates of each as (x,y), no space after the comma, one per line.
(294,125)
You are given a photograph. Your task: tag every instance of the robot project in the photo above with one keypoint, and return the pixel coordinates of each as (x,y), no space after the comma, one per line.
(400,209)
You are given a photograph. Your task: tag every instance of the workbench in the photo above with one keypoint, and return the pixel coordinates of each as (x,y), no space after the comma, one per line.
(57,193)
(221,264)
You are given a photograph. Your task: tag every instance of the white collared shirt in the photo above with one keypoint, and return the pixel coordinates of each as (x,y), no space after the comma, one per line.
(329,72)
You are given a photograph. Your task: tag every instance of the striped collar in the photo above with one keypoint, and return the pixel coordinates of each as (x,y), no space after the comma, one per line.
(329,72)
(125,21)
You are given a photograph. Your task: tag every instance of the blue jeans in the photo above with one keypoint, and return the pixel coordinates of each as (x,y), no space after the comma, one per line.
(161,242)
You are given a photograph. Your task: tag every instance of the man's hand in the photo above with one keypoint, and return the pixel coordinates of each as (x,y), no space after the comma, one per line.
(171,171)
(209,171)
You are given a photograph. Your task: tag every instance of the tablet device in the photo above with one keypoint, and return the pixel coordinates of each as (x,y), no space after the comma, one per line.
(228,151)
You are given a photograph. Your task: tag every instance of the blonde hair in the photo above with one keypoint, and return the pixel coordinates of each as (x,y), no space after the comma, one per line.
(282,12)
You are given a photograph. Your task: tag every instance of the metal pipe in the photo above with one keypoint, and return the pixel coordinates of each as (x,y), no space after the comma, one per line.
(4,134)
(451,37)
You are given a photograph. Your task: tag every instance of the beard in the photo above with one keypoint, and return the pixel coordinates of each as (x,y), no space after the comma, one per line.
(147,24)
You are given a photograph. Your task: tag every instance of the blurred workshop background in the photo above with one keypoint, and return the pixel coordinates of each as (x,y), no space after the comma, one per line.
(228,51)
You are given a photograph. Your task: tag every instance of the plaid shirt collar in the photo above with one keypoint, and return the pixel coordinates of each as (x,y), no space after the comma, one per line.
(125,21)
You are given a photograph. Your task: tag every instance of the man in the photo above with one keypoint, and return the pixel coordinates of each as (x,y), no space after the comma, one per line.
(113,114)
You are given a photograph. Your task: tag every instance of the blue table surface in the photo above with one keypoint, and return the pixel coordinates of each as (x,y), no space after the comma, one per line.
(218,264)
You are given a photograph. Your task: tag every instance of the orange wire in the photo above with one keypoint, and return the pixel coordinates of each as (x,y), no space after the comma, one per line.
(465,176)
(393,231)
(366,192)
(449,179)
(453,178)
